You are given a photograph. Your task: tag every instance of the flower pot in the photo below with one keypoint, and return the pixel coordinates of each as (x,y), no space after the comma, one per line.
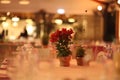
(80,61)
(65,61)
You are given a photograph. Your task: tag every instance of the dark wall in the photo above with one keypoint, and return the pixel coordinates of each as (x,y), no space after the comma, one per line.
(109,26)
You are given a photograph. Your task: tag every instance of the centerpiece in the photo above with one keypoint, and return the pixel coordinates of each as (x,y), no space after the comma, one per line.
(62,39)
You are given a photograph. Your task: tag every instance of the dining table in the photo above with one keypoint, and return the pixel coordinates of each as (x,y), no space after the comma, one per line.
(42,64)
(53,71)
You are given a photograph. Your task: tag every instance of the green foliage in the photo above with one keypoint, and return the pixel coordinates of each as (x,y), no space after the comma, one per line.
(80,52)
(62,39)
(63,49)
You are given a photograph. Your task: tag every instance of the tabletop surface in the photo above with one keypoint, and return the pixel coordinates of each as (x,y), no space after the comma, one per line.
(93,71)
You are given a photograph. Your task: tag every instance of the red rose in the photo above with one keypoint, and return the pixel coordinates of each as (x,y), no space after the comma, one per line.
(62,34)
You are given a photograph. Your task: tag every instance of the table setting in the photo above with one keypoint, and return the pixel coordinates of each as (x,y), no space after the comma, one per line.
(29,62)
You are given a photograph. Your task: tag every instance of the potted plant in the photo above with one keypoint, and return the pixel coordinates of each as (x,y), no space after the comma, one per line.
(80,53)
(62,40)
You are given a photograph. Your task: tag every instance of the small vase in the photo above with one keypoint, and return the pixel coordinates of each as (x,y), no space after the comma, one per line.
(65,61)
(80,61)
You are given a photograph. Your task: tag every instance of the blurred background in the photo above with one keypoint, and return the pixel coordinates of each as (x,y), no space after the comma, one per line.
(96,26)
(37,19)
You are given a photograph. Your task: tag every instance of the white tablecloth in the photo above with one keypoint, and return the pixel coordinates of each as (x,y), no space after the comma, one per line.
(95,71)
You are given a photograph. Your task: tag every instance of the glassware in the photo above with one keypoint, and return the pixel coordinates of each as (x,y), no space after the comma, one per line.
(30,64)
(109,50)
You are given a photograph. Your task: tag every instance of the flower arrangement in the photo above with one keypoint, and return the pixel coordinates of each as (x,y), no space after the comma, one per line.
(62,39)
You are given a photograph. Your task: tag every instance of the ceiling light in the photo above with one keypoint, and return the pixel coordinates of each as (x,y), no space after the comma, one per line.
(99,8)
(5,1)
(15,19)
(58,21)
(118,1)
(71,20)
(60,11)
(24,2)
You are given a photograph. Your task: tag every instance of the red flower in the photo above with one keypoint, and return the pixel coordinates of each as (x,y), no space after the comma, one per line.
(54,37)
(62,34)
(62,38)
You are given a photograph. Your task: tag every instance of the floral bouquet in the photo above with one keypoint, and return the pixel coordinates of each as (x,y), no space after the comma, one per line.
(62,39)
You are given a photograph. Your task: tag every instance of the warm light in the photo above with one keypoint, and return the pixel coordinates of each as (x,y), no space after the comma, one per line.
(8,13)
(30,29)
(15,24)
(58,21)
(99,8)
(5,1)
(60,11)
(29,21)
(5,25)
(3,18)
(15,19)
(12,37)
(71,20)
(24,2)
(118,1)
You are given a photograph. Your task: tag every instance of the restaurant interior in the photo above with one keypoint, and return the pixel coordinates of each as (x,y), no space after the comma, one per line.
(59,39)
